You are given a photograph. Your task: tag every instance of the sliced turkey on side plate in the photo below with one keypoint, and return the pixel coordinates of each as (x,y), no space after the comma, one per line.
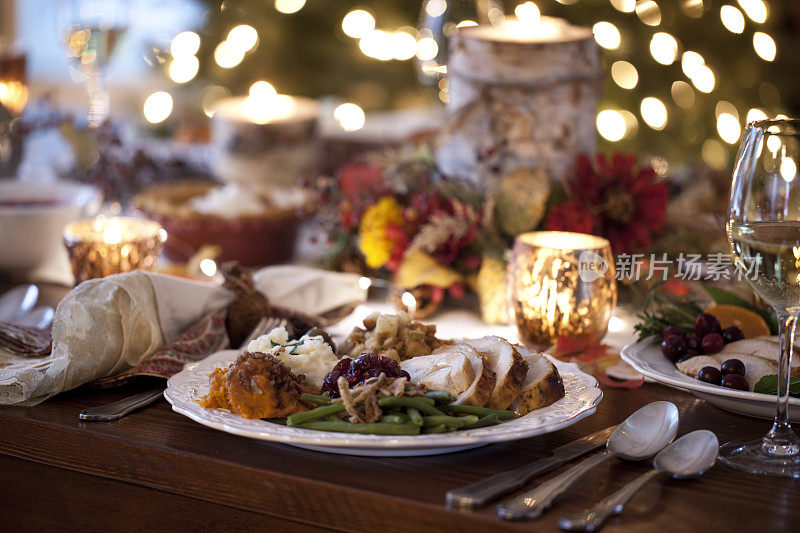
(508,366)
(543,385)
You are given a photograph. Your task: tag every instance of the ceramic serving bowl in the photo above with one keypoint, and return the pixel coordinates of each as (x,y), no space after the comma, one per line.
(32,217)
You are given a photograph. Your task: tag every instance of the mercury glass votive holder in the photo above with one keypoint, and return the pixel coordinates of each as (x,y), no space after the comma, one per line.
(560,284)
(102,246)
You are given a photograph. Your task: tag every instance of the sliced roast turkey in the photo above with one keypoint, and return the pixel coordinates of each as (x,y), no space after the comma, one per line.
(543,385)
(458,369)
(508,366)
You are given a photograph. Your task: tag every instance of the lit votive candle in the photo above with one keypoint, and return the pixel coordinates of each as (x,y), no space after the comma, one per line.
(560,284)
(102,246)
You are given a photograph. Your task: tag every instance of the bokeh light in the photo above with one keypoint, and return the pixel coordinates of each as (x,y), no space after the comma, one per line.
(611,125)
(664,48)
(157,107)
(728,128)
(227,55)
(624,74)
(288,7)
(756,10)
(186,43)
(654,113)
(427,48)
(350,116)
(732,19)
(626,6)
(607,35)
(358,23)
(243,37)
(648,12)
(183,69)
(764,46)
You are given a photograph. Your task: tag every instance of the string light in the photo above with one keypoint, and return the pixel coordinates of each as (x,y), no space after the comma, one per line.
(683,94)
(404,44)
(350,116)
(764,46)
(654,113)
(626,6)
(466,24)
(157,107)
(186,43)
(288,7)
(648,12)
(788,168)
(756,10)
(732,18)
(754,115)
(692,8)
(243,37)
(427,48)
(624,74)
(611,125)
(183,69)
(436,8)
(607,35)
(358,23)
(664,48)
(227,55)
(693,65)
(728,128)
(377,44)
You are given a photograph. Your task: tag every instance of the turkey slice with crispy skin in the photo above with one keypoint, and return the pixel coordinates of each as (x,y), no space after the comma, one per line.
(543,385)
(508,366)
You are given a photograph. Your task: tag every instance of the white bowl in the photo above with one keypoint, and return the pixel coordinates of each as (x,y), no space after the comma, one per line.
(32,218)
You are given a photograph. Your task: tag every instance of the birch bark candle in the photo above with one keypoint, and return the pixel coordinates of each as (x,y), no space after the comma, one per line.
(523,94)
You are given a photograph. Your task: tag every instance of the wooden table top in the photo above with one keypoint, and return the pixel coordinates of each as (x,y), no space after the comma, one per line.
(162,450)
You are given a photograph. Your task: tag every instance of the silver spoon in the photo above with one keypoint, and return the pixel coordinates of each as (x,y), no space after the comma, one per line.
(641,435)
(689,456)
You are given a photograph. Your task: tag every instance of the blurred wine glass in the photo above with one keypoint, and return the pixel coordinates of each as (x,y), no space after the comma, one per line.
(90,31)
(764,235)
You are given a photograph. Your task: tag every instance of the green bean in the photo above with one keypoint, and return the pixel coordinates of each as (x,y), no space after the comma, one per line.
(316,399)
(478,411)
(408,401)
(415,415)
(440,397)
(377,428)
(450,421)
(486,421)
(441,428)
(319,412)
(395,418)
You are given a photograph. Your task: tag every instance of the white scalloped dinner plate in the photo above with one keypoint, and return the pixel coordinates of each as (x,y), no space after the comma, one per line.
(185,388)
(646,358)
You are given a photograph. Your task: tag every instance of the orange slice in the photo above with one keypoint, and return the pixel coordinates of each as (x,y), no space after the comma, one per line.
(751,324)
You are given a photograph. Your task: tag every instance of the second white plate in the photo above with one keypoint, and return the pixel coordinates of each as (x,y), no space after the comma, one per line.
(646,358)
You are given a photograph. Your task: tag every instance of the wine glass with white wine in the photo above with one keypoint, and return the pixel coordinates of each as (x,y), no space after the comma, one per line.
(90,30)
(764,235)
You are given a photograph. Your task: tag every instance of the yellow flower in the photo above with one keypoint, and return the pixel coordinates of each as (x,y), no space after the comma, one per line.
(374,242)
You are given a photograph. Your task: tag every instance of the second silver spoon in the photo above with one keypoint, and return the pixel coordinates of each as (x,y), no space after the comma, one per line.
(689,456)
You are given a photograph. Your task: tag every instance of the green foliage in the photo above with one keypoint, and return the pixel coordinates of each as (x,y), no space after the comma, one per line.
(769,385)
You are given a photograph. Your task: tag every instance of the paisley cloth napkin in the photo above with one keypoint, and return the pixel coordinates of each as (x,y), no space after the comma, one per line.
(107,327)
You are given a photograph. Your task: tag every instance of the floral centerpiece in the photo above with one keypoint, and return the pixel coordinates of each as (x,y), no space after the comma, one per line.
(396,216)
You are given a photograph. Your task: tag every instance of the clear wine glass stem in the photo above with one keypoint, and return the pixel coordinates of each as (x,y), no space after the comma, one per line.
(98,99)
(781,440)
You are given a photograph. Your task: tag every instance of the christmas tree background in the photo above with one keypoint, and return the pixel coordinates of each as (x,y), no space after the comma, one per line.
(702,68)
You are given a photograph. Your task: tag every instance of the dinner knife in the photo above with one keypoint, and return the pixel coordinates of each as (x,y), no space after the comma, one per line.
(484,491)
(116,410)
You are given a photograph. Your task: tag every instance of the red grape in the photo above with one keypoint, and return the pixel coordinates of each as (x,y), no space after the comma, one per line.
(732,334)
(709,374)
(673,348)
(706,324)
(669,331)
(734,381)
(712,343)
(733,366)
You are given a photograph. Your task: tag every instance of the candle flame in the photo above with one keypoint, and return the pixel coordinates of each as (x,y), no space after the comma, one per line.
(112,234)
(528,14)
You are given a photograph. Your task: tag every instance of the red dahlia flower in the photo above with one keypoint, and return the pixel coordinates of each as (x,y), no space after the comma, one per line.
(624,204)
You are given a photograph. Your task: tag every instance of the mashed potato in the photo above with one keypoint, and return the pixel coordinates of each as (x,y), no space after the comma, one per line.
(311,356)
